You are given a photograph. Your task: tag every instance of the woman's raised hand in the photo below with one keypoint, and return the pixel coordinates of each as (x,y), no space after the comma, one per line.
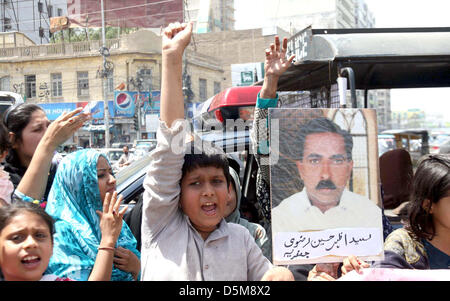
(63,127)
(111,219)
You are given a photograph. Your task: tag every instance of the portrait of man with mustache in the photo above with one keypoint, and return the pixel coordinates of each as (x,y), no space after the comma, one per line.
(323,158)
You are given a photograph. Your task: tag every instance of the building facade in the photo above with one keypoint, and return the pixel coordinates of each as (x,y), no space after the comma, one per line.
(236,47)
(57,76)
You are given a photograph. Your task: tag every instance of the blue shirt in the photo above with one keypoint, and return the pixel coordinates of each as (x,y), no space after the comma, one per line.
(436,258)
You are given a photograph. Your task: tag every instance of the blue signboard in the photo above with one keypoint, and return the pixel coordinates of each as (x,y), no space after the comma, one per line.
(152,106)
(54,110)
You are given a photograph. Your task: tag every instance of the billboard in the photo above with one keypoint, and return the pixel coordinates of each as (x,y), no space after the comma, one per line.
(125,103)
(54,110)
(124,13)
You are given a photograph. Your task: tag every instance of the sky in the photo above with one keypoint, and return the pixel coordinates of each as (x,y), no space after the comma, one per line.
(388,13)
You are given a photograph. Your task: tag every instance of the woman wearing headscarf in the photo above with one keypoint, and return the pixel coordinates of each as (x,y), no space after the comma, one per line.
(83,180)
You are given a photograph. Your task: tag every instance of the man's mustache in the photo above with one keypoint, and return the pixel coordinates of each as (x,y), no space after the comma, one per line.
(326,184)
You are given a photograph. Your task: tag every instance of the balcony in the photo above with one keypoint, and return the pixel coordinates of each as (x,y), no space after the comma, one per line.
(57,50)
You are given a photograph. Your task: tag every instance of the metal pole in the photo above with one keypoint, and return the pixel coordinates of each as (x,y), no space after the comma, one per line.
(138,134)
(105,83)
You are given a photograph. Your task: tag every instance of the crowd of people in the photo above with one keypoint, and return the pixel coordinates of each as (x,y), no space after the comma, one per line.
(61,219)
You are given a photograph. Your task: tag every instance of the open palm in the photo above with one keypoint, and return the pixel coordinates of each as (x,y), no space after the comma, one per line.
(276,62)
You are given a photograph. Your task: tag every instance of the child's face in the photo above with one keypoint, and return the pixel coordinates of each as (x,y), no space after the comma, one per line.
(204,194)
(25,247)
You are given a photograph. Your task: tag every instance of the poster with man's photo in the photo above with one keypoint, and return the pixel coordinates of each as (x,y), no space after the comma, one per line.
(325,185)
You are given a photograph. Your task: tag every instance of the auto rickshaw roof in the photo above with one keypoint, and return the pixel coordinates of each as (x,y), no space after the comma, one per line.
(381,58)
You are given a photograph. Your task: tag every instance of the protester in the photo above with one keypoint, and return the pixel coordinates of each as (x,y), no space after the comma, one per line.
(184,234)
(6,186)
(232,214)
(27,124)
(26,242)
(31,186)
(90,244)
(424,241)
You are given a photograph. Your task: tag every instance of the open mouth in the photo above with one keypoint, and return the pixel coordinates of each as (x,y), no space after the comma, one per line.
(209,208)
(31,261)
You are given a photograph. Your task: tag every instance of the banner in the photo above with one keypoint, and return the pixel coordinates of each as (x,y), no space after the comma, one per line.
(125,13)
(385,274)
(96,107)
(125,103)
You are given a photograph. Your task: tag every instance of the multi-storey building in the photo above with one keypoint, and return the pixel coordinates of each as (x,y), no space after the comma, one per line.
(210,15)
(31,17)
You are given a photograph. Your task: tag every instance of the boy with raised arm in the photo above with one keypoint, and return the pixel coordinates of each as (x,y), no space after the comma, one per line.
(184,234)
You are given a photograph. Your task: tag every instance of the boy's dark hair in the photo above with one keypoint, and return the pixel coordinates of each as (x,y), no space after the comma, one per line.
(316,126)
(431,182)
(10,211)
(195,158)
(17,117)
(4,139)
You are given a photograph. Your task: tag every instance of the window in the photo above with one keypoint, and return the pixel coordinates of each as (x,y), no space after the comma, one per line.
(5,83)
(202,89)
(60,12)
(30,86)
(56,84)
(216,87)
(7,23)
(50,10)
(83,83)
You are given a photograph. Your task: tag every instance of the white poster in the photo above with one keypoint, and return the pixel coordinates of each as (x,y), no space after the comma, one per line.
(324,186)
(151,122)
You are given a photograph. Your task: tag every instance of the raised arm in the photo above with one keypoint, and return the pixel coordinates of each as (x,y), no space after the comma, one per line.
(275,65)
(162,189)
(176,38)
(34,181)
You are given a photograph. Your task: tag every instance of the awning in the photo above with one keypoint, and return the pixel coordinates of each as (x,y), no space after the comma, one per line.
(381,58)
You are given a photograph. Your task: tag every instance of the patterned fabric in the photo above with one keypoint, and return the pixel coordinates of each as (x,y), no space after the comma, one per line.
(72,202)
(260,139)
(402,243)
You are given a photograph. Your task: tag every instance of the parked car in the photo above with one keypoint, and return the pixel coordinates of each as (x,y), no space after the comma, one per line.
(8,99)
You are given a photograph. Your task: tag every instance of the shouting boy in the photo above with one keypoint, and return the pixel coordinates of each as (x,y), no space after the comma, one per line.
(184,233)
